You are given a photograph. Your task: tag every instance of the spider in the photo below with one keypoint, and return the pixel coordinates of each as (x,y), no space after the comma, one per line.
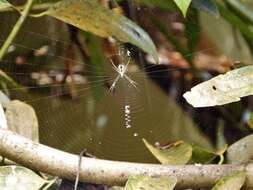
(121,70)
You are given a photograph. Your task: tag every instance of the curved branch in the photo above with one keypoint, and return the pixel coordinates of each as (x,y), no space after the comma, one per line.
(58,163)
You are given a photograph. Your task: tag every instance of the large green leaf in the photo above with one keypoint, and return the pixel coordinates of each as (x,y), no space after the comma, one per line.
(4,4)
(18,177)
(149,183)
(233,181)
(90,16)
(176,154)
(241,151)
(223,89)
(183,5)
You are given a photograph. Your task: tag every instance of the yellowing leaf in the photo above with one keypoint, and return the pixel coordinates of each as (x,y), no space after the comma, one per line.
(223,89)
(149,183)
(177,154)
(90,16)
(183,5)
(233,181)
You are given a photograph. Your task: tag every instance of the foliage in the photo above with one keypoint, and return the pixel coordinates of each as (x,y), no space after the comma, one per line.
(234,181)
(93,17)
(179,150)
(148,183)
(223,89)
(18,177)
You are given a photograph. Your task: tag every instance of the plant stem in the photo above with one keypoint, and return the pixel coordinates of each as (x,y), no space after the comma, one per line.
(36,7)
(16,28)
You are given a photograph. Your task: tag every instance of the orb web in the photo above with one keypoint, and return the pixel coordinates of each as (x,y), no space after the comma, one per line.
(111,127)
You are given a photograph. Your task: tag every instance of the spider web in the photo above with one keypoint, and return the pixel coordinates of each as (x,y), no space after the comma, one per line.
(98,126)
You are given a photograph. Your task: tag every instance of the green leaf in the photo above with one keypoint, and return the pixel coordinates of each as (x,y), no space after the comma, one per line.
(90,16)
(233,181)
(223,89)
(149,183)
(192,33)
(183,5)
(241,151)
(174,155)
(202,156)
(4,4)
(12,177)
(206,5)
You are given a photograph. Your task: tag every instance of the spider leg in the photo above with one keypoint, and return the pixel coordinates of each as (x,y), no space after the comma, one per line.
(114,66)
(131,81)
(114,83)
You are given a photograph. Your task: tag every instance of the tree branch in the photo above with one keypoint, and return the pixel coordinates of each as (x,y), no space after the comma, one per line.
(58,163)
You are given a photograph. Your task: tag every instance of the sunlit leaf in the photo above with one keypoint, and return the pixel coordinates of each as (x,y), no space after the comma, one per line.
(207,6)
(233,181)
(241,151)
(18,177)
(22,119)
(4,4)
(3,122)
(183,5)
(149,183)
(90,16)
(116,188)
(176,154)
(4,99)
(223,89)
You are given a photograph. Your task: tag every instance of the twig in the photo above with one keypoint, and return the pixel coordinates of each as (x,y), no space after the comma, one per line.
(37,7)
(79,168)
(58,163)
(16,28)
